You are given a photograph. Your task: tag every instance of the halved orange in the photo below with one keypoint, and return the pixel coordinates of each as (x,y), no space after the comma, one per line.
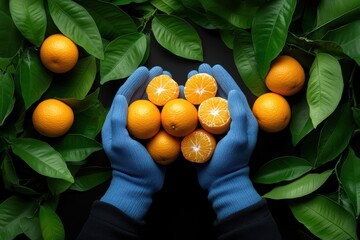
(198,146)
(200,87)
(161,89)
(214,115)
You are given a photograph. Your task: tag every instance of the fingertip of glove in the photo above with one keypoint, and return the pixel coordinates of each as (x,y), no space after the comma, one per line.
(157,70)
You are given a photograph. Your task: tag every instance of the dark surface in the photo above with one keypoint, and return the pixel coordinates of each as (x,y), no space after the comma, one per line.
(180,210)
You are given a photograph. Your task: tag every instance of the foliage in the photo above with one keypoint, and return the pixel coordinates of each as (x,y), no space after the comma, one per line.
(320,184)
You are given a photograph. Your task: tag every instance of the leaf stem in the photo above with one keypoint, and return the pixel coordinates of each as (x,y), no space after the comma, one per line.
(146,19)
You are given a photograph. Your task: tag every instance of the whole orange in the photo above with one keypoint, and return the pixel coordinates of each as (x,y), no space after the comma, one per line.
(58,53)
(179,117)
(163,148)
(272,112)
(52,118)
(286,76)
(143,120)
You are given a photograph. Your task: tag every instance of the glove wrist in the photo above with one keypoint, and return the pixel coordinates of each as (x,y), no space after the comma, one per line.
(232,193)
(131,195)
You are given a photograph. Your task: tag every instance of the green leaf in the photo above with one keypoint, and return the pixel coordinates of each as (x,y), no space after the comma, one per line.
(12,210)
(58,186)
(34,78)
(333,138)
(300,187)
(122,56)
(196,13)
(177,36)
(325,218)
(75,83)
(168,6)
(90,177)
(125,2)
(324,88)
(42,158)
(30,18)
(10,44)
(7,90)
(10,178)
(230,14)
(31,228)
(300,124)
(50,223)
(8,171)
(89,121)
(330,13)
(76,148)
(244,57)
(350,178)
(269,31)
(280,169)
(111,20)
(76,23)
(347,36)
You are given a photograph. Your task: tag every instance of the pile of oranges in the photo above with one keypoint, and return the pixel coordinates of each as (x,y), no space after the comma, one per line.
(286,77)
(170,125)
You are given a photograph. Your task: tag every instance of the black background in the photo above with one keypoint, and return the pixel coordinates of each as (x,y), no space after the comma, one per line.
(181,210)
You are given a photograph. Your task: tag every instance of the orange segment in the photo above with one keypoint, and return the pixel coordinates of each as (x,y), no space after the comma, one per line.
(214,115)
(200,87)
(198,146)
(161,89)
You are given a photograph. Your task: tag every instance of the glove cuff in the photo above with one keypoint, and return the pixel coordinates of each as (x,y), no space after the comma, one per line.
(129,195)
(232,193)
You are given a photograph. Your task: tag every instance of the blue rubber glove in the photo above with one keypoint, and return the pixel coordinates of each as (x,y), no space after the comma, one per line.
(226,175)
(135,176)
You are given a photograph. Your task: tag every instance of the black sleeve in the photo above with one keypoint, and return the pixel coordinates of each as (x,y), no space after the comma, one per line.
(106,222)
(255,222)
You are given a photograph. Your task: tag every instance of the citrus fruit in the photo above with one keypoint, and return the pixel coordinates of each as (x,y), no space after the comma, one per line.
(163,147)
(143,120)
(58,53)
(286,76)
(179,117)
(198,146)
(161,89)
(214,115)
(272,112)
(200,87)
(52,118)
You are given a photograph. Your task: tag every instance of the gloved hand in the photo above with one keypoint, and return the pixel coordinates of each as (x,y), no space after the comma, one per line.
(226,175)
(135,176)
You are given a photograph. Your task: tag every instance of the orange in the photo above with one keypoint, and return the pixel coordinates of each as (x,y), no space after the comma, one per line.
(286,76)
(179,117)
(163,148)
(58,53)
(214,115)
(200,87)
(143,120)
(161,89)
(198,146)
(52,118)
(272,112)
